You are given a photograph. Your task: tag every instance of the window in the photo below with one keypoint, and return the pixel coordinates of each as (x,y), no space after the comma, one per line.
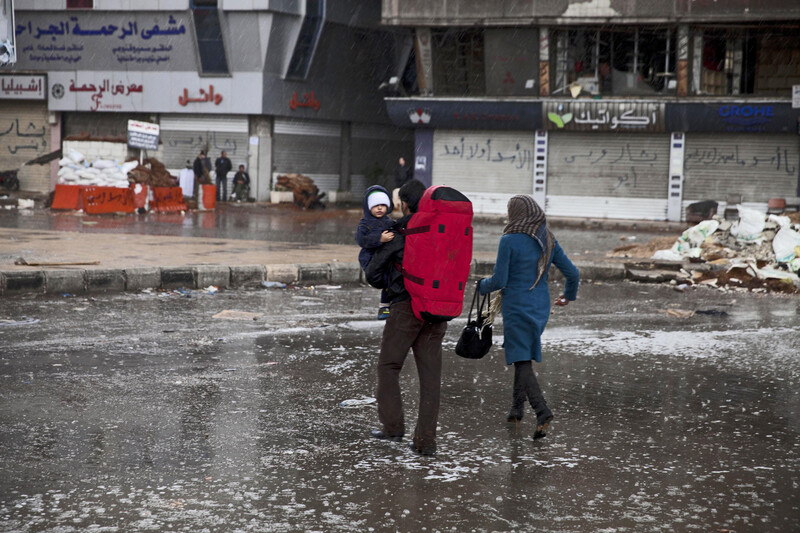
(619,62)
(210,45)
(80,4)
(307,40)
(458,62)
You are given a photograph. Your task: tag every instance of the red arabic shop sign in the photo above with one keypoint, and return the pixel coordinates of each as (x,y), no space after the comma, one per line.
(307,101)
(99,90)
(205,96)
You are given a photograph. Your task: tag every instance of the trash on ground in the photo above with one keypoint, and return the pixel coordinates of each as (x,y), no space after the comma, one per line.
(24,203)
(230,314)
(357,402)
(24,322)
(273,285)
(211,289)
(679,313)
(328,287)
(758,252)
(22,262)
(711,312)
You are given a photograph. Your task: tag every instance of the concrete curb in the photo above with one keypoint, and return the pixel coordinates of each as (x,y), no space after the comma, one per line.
(50,281)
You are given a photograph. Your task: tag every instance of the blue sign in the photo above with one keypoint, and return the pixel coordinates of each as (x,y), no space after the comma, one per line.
(732,117)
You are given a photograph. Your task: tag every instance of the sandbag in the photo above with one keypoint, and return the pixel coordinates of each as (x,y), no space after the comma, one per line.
(785,243)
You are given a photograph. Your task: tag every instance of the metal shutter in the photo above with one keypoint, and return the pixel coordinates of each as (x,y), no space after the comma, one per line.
(618,175)
(374,150)
(757,166)
(183,137)
(25,135)
(489,167)
(308,147)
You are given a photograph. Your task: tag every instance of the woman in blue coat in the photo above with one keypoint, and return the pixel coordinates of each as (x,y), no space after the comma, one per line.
(524,255)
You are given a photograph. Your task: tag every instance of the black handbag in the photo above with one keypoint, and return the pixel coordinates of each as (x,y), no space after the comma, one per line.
(476,338)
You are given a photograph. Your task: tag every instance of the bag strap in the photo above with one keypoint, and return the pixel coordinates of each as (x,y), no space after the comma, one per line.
(475,301)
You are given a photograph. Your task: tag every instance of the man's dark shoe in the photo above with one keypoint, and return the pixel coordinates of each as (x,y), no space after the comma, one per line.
(427,453)
(542,425)
(378,434)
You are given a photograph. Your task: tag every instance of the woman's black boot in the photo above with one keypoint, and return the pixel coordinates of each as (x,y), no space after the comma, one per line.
(518,401)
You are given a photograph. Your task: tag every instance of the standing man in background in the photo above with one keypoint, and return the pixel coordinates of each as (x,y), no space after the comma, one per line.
(222,166)
(402,174)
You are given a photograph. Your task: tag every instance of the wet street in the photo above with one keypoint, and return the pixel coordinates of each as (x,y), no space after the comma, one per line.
(286,223)
(143,412)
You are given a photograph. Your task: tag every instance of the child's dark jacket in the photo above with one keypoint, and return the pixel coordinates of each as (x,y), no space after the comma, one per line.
(368,233)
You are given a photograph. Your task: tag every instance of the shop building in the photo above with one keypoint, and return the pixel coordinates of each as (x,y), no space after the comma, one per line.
(282,87)
(602,108)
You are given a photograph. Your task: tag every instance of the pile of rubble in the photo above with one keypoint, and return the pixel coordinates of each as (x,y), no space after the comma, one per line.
(306,194)
(757,252)
(152,172)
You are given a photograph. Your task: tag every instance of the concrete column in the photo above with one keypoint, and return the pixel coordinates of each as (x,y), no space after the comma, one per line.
(54,118)
(260,157)
(344,161)
(544,61)
(736,45)
(697,62)
(423,156)
(682,68)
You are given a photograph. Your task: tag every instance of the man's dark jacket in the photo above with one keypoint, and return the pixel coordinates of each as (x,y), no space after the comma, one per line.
(385,261)
(223,166)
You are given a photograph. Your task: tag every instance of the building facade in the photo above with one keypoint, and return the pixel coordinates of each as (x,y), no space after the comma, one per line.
(282,87)
(603,108)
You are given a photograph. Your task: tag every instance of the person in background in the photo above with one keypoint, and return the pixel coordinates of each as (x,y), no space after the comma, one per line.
(524,255)
(402,174)
(222,166)
(241,185)
(201,174)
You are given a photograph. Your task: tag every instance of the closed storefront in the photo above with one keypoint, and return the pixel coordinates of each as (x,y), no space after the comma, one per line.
(25,130)
(374,153)
(25,135)
(308,147)
(608,175)
(488,166)
(99,126)
(183,137)
(755,166)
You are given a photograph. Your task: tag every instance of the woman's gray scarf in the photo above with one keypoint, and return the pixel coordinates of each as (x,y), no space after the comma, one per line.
(526,216)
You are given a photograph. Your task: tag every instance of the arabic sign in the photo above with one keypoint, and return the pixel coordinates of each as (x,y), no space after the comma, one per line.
(143,135)
(733,117)
(203,97)
(604,116)
(307,100)
(153,92)
(22,87)
(464,114)
(26,137)
(57,41)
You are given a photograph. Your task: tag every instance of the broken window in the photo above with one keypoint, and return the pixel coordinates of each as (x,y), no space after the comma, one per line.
(210,45)
(458,62)
(307,40)
(618,62)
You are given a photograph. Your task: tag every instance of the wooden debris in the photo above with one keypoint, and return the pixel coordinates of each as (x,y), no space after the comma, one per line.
(306,194)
